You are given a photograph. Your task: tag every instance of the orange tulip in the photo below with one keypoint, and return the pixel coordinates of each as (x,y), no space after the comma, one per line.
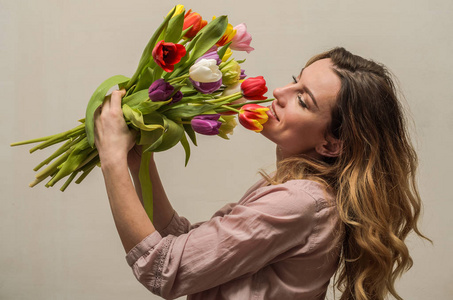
(193,19)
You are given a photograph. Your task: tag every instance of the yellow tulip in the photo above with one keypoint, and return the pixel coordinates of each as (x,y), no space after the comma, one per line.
(227,36)
(227,54)
(179,10)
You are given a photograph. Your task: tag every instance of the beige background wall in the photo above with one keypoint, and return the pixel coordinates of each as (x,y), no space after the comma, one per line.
(53,55)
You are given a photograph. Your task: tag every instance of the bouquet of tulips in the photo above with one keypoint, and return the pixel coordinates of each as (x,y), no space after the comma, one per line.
(185,84)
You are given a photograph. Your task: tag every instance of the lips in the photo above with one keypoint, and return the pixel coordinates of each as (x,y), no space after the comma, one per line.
(272,113)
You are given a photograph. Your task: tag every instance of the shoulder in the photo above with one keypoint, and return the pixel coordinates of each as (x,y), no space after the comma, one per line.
(294,196)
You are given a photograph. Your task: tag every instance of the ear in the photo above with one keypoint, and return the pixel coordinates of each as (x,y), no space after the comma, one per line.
(331,147)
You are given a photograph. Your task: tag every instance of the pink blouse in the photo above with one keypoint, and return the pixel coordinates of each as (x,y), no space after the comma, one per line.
(278,242)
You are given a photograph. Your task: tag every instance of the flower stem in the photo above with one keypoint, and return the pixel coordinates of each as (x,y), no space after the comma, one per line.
(178,79)
(250,102)
(87,169)
(60,150)
(70,179)
(60,137)
(230,108)
(184,42)
(42,139)
(38,180)
(91,155)
(54,166)
(228,98)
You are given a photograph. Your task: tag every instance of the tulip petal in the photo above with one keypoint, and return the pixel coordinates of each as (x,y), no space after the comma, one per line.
(166,55)
(241,41)
(252,116)
(206,124)
(254,88)
(206,70)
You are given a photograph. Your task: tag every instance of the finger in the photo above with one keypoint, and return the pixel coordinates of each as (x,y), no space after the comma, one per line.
(115,101)
(107,101)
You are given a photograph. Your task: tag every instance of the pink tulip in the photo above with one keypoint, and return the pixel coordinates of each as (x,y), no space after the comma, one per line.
(241,41)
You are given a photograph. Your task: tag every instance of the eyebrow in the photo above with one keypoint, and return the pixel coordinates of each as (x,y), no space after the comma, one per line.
(308,91)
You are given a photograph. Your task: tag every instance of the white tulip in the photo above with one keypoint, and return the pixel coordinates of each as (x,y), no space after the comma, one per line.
(206,70)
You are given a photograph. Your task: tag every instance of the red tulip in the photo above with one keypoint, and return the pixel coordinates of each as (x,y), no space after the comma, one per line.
(254,88)
(166,55)
(252,116)
(193,19)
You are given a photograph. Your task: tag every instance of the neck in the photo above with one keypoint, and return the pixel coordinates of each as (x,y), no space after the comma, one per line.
(281,155)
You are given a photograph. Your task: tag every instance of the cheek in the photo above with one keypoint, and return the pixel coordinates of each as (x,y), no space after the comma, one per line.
(308,128)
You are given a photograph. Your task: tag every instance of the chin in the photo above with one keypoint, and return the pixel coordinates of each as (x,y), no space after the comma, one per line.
(267,135)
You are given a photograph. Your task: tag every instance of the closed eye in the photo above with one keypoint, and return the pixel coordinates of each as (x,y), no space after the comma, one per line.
(301,101)
(299,96)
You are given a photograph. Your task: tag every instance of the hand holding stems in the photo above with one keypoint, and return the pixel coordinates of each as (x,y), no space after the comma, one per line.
(114,140)
(115,143)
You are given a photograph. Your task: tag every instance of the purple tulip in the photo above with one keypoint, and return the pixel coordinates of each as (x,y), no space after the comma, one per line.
(206,124)
(160,90)
(211,54)
(242,76)
(207,87)
(176,97)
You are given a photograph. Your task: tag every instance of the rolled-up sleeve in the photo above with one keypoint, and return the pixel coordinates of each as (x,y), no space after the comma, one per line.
(240,240)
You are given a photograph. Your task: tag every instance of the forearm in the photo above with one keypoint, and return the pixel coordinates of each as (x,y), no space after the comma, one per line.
(130,218)
(163,211)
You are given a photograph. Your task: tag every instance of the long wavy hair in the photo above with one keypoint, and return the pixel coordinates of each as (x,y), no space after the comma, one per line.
(373,178)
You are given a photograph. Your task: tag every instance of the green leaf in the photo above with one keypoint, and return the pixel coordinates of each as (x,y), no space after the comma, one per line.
(185,144)
(174,29)
(183,33)
(189,111)
(147,52)
(223,50)
(146,184)
(122,85)
(96,99)
(146,78)
(136,118)
(152,139)
(207,37)
(157,74)
(136,98)
(171,136)
(149,106)
(191,133)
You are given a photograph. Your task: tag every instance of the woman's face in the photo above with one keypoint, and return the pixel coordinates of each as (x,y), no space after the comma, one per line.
(301,112)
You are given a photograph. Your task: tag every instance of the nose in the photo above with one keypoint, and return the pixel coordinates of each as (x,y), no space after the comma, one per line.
(279,95)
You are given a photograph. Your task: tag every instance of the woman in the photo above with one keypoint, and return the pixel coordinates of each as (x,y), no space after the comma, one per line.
(342,200)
